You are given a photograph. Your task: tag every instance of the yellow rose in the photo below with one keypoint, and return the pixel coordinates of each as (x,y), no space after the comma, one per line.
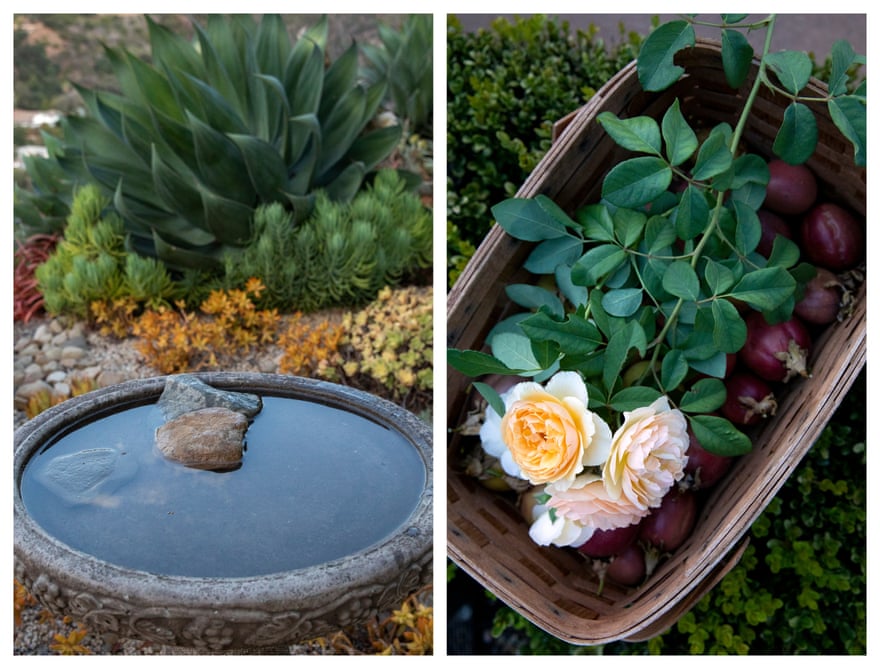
(648,455)
(547,434)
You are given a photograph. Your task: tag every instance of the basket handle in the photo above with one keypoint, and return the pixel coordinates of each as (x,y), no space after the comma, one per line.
(687,603)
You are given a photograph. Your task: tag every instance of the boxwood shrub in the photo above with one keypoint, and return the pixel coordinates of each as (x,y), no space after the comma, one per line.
(506,86)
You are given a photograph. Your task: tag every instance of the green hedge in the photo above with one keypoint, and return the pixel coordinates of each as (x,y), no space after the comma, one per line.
(506,86)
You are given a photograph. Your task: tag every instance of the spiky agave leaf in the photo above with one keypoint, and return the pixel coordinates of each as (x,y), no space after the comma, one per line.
(404,58)
(213,127)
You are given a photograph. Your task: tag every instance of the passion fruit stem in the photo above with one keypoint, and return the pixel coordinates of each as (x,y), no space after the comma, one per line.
(600,567)
(795,360)
(764,407)
(653,555)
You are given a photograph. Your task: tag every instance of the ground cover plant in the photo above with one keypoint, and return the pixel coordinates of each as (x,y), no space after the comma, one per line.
(29,254)
(91,262)
(343,254)
(650,298)
(388,346)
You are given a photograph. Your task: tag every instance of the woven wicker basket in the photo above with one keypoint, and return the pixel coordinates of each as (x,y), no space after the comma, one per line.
(486,535)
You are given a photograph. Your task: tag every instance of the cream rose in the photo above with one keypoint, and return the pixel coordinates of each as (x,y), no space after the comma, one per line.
(551,528)
(648,455)
(579,510)
(547,434)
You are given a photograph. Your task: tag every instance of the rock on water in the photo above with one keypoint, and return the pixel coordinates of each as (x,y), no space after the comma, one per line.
(87,475)
(185,392)
(209,438)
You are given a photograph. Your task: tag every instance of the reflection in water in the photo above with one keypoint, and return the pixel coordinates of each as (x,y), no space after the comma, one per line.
(316,484)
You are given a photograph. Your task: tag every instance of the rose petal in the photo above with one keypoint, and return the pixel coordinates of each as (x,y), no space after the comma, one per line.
(559,532)
(490,434)
(568,384)
(600,444)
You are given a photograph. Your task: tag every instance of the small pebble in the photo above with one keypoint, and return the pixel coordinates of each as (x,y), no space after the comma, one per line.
(74,352)
(31,349)
(43,335)
(56,376)
(110,377)
(90,373)
(267,365)
(33,372)
(77,340)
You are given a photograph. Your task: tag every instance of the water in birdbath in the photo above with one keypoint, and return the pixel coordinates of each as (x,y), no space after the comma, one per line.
(316,483)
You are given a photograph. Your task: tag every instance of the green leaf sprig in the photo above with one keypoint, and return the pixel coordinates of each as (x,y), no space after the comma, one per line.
(650,281)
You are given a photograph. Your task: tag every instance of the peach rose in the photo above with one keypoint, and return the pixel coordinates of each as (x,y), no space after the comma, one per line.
(579,510)
(648,455)
(547,433)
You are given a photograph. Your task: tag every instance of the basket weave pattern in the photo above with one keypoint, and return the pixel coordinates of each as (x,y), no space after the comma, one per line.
(486,534)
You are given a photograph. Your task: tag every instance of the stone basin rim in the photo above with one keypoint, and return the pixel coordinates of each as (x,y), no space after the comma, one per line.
(41,552)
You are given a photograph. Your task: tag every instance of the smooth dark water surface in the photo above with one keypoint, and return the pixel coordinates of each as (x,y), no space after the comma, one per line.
(316,483)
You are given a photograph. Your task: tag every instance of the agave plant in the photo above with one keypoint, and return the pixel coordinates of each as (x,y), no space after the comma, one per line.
(42,208)
(213,127)
(404,57)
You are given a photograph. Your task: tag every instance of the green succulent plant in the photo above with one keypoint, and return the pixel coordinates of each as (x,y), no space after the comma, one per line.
(92,263)
(343,254)
(213,127)
(404,57)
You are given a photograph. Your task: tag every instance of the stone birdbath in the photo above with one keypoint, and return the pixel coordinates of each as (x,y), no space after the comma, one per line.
(223,511)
